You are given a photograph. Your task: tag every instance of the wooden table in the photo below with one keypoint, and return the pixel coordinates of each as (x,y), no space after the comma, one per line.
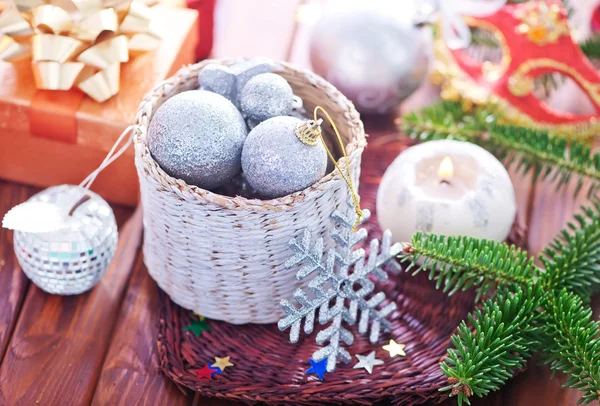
(99,347)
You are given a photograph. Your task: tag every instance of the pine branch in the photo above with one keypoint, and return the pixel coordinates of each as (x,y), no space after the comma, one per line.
(483,38)
(591,47)
(460,263)
(573,343)
(446,119)
(571,260)
(502,335)
(530,150)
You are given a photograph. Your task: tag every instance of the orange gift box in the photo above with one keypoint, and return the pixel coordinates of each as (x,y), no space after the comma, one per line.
(52,137)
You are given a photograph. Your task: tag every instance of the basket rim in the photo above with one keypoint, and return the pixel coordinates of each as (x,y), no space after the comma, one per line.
(354,148)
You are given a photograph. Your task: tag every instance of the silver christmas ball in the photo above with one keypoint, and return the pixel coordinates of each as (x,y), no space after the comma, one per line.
(218,79)
(372,57)
(276,163)
(266,96)
(228,81)
(198,136)
(71,260)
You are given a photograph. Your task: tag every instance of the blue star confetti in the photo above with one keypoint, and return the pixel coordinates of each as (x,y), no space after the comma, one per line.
(217,369)
(318,368)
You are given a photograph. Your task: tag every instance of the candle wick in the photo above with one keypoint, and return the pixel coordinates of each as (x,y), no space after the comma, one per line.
(444,182)
(81,201)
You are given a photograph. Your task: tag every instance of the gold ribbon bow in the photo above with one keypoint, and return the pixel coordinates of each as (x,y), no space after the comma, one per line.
(81,48)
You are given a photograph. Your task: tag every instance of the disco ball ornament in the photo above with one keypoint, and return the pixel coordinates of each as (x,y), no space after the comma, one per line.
(71,259)
(374,59)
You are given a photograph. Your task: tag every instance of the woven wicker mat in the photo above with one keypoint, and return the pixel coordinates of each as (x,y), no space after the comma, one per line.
(270,369)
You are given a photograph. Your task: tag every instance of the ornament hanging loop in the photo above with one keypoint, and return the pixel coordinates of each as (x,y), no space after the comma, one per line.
(112,155)
(310,132)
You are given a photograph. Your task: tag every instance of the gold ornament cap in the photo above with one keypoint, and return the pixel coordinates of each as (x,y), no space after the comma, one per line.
(310,132)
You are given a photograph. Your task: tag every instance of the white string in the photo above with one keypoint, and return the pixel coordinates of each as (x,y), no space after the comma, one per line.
(112,155)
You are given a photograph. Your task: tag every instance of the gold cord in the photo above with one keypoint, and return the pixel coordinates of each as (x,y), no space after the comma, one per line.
(347,177)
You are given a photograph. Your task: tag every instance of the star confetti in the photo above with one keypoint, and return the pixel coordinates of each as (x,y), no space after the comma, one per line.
(395,349)
(206,372)
(217,369)
(318,368)
(222,363)
(197,327)
(367,362)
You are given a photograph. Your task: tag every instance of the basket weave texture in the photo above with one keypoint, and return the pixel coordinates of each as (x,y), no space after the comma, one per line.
(223,257)
(268,368)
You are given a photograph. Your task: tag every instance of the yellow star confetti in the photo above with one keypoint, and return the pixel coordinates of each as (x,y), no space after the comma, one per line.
(395,349)
(222,363)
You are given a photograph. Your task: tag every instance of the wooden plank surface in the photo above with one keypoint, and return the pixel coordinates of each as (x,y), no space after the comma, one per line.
(100,347)
(13,283)
(130,374)
(59,343)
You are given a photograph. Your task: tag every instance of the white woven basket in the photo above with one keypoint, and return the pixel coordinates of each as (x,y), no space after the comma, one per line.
(223,257)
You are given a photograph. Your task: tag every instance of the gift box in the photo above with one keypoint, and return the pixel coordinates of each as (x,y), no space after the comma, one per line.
(55,137)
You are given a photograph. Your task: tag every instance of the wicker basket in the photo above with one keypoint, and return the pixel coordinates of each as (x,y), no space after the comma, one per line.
(223,257)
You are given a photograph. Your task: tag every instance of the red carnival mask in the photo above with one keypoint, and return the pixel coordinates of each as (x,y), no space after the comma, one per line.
(535,41)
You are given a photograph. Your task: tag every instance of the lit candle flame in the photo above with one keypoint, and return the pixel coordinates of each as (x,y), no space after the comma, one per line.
(446,169)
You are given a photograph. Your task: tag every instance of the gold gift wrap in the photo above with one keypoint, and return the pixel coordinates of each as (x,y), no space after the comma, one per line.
(82,48)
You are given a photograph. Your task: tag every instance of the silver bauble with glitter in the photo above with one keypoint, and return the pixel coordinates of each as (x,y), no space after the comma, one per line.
(276,163)
(266,96)
(198,136)
(71,260)
(228,81)
(374,58)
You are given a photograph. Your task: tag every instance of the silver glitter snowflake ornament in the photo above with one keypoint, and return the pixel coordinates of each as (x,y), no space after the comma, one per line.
(340,287)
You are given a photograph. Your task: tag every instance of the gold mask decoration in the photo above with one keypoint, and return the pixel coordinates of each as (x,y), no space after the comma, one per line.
(82,49)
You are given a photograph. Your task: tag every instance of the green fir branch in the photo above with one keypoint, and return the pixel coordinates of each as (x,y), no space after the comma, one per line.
(460,263)
(535,151)
(483,38)
(446,120)
(572,342)
(591,47)
(571,260)
(499,339)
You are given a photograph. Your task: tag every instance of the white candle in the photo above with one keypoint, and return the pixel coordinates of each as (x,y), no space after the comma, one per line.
(446,187)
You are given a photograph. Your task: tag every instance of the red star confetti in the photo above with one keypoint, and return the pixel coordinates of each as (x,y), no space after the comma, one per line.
(206,372)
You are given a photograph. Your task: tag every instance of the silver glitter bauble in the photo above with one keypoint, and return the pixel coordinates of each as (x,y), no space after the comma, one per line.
(228,81)
(266,96)
(72,260)
(198,136)
(373,58)
(276,163)
(218,79)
